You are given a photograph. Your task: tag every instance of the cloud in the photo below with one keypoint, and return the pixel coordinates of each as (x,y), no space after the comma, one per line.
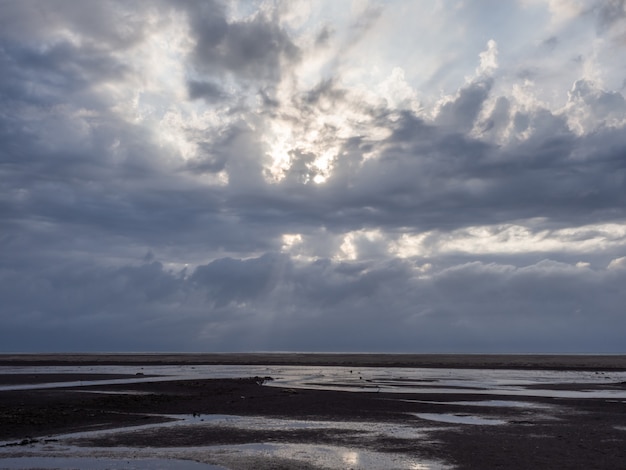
(253,48)
(271,302)
(302,182)
(617,263)
(609,13)
(592,107)
(109,25)
(461,113)
(205,90)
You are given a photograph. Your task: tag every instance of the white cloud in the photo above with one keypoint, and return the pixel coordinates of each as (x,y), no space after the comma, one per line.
(512,239)
(590,108)
(488,59)
(397,91)
(618,263)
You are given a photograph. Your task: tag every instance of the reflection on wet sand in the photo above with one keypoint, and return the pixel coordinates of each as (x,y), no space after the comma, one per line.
(57,463)
(447,390)
(532,383)
(460,419)
(78,450)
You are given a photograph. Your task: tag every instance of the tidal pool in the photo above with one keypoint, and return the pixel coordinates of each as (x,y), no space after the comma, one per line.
(81,450)
(63,463)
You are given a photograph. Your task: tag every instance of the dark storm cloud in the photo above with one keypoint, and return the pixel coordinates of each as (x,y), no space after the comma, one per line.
(272,303)
(59,71)
(253,49)
(459,115)
(232,280)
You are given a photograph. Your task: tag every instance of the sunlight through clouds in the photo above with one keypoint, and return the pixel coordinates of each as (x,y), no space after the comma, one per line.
(512,239)
(185,175)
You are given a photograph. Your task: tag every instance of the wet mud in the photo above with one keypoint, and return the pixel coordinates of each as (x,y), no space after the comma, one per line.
(248,423)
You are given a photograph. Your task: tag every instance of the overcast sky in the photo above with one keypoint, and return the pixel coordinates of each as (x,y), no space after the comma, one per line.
(401,176)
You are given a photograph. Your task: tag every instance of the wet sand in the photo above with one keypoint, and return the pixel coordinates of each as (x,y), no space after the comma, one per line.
(574,434)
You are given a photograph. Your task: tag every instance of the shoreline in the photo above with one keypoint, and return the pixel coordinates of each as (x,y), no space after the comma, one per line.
(596,362)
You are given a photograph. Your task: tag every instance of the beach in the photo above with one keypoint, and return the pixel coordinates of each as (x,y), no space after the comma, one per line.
(455,411)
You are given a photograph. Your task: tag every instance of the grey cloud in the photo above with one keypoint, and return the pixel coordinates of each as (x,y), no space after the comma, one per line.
(499,118)
(272,303)
(460,114)
(327,90)
(603,103)
(550,43)
(608,13)
(253,49)
(105,24)
(367,18)
(269,100)
(424,179)
(323,37)
(537,175)
(230,280)
(429,176)
(208,91)
(84,307)
(50,76)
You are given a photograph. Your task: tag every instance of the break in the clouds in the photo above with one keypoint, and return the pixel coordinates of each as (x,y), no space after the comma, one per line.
(441,176)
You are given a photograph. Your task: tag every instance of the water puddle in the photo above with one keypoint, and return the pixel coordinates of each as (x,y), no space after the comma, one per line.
(251,423)
(113,392)
(77,450)
(82,383)
(63,463)
(331,457)
(485,403)
(241,457)
(459,419)
(393,430)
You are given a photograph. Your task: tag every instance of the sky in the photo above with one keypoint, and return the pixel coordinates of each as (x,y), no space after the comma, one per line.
(441,176)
